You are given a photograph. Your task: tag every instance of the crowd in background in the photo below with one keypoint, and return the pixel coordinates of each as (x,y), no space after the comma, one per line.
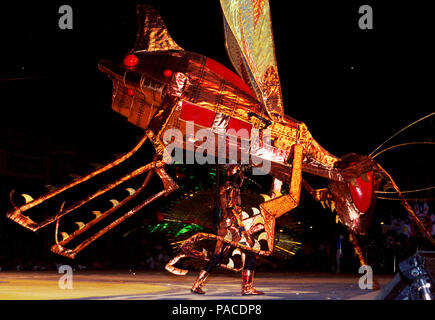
(334,253)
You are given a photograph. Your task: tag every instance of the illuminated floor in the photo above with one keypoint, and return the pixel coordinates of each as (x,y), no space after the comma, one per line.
(164,286)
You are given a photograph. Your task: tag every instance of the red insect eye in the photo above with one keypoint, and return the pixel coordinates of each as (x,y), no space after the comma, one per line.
(362,192)
(130,92)
(167,73)
(131,60)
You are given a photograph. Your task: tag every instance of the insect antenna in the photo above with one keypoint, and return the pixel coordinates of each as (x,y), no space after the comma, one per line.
(401,130)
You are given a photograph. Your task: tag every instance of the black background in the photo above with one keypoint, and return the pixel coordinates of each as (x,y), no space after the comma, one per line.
(353,88)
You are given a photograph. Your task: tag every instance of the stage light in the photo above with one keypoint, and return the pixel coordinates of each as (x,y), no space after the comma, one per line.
(131,60)
(167,73)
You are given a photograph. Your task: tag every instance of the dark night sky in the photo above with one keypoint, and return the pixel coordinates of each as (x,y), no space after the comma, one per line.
(353,88)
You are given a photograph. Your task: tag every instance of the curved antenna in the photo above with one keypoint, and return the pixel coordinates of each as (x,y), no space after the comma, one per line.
(409,199)
(403,129)
(407,191)
(402,145)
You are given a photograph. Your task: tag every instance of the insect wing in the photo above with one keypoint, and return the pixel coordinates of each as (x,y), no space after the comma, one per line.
(250,47)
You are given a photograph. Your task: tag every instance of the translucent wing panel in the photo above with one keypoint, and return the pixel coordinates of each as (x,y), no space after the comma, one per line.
(250,46)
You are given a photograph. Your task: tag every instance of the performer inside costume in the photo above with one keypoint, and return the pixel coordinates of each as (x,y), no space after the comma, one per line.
(231,221)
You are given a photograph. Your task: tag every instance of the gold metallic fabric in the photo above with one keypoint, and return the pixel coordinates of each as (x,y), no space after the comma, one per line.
(152,34)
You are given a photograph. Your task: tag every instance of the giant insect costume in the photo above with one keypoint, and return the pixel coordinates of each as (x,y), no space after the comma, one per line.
(160,86)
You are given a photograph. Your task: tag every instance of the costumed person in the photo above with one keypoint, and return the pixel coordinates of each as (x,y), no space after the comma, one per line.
(421,209)
(231,221)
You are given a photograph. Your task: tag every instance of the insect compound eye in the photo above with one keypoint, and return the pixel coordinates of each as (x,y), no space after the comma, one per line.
(362,191)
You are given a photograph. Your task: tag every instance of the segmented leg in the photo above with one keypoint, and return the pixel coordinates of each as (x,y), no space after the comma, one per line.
(150,168)
(362,261)
(59,249)
(16,214)
(285,203)
(278,206)
(358,251)
(168,186)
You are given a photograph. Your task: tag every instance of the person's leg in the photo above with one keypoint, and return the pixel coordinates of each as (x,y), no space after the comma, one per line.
(196,288)
(248,276)
(204,273)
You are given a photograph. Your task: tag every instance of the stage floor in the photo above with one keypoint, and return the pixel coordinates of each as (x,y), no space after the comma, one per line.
(118,285)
